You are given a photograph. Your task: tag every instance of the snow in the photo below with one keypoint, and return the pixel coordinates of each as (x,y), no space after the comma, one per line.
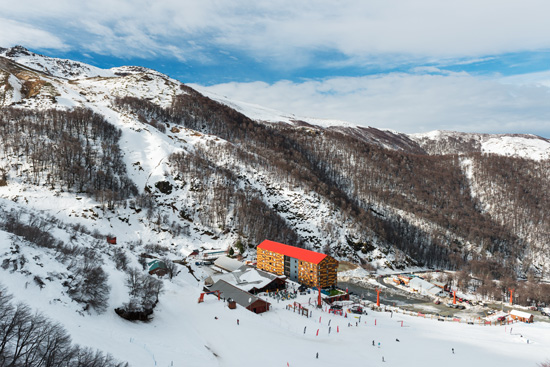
(531,148)
(186,333)
(58,67)
(16,88)
(524,146)
(260,113)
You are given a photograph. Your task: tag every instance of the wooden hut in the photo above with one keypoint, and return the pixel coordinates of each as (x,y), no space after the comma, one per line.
(521,316)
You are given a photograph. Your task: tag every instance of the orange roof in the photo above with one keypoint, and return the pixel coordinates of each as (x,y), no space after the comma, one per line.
(291,251)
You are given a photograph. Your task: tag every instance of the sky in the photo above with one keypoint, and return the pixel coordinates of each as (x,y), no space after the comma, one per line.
(472,66)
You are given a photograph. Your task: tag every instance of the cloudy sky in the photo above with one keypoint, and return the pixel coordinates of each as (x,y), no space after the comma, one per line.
(410,66)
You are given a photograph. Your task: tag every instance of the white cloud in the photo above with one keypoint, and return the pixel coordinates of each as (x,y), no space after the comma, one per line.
(291,32)
(16,33)
(407,102)
(539,78)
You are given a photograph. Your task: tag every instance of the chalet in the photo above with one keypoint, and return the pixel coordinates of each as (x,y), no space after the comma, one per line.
(249,280)
(521,316)
(242,298)
(303,266)
(157,267)
(187,252)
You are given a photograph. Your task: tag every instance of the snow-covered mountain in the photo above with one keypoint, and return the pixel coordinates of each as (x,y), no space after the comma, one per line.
(128,152)
(509,145)
(160,118)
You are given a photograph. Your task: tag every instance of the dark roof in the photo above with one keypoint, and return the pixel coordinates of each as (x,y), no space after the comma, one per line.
(156,264)
(227,290)
(291,251)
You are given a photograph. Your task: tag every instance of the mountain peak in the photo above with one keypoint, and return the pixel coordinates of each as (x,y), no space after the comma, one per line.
(15,51)
(441,142)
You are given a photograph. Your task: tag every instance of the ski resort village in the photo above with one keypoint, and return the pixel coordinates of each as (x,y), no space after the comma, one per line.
(220,310)
(143,223)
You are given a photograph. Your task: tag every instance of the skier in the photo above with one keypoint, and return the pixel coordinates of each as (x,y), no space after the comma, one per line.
(453,350)
(237,321)
(383,359)
(378,344)
(317,356)
(373,343)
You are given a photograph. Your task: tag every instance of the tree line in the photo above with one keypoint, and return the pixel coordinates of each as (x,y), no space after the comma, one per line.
(29,338)
(75,150)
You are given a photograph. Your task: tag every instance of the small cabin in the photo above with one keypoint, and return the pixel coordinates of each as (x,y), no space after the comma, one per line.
(158,267)
(521,316)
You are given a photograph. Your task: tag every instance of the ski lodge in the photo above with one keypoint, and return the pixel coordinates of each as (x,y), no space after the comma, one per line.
(249,280)
(303,266)
(241,297)
(521,316)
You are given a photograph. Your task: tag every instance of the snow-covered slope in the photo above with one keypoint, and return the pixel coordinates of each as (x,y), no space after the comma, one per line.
(260,113)
(55,67)
(514,145)
(184,332)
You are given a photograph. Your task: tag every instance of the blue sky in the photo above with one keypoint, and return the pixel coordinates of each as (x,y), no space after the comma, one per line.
(474,66)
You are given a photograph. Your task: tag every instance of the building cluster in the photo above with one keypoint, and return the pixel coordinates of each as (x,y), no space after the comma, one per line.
(276,263)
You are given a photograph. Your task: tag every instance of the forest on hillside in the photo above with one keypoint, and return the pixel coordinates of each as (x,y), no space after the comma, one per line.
(74,150)
(421,204)
(480,213)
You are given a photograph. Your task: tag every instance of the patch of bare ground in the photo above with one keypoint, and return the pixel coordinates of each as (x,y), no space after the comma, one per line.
(346,265)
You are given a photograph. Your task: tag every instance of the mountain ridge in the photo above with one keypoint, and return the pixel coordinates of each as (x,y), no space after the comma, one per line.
(305,179)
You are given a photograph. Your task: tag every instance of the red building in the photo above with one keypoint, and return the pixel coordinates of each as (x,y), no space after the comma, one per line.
(303,266)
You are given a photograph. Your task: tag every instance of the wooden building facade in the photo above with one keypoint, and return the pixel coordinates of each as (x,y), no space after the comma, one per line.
(303,266)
